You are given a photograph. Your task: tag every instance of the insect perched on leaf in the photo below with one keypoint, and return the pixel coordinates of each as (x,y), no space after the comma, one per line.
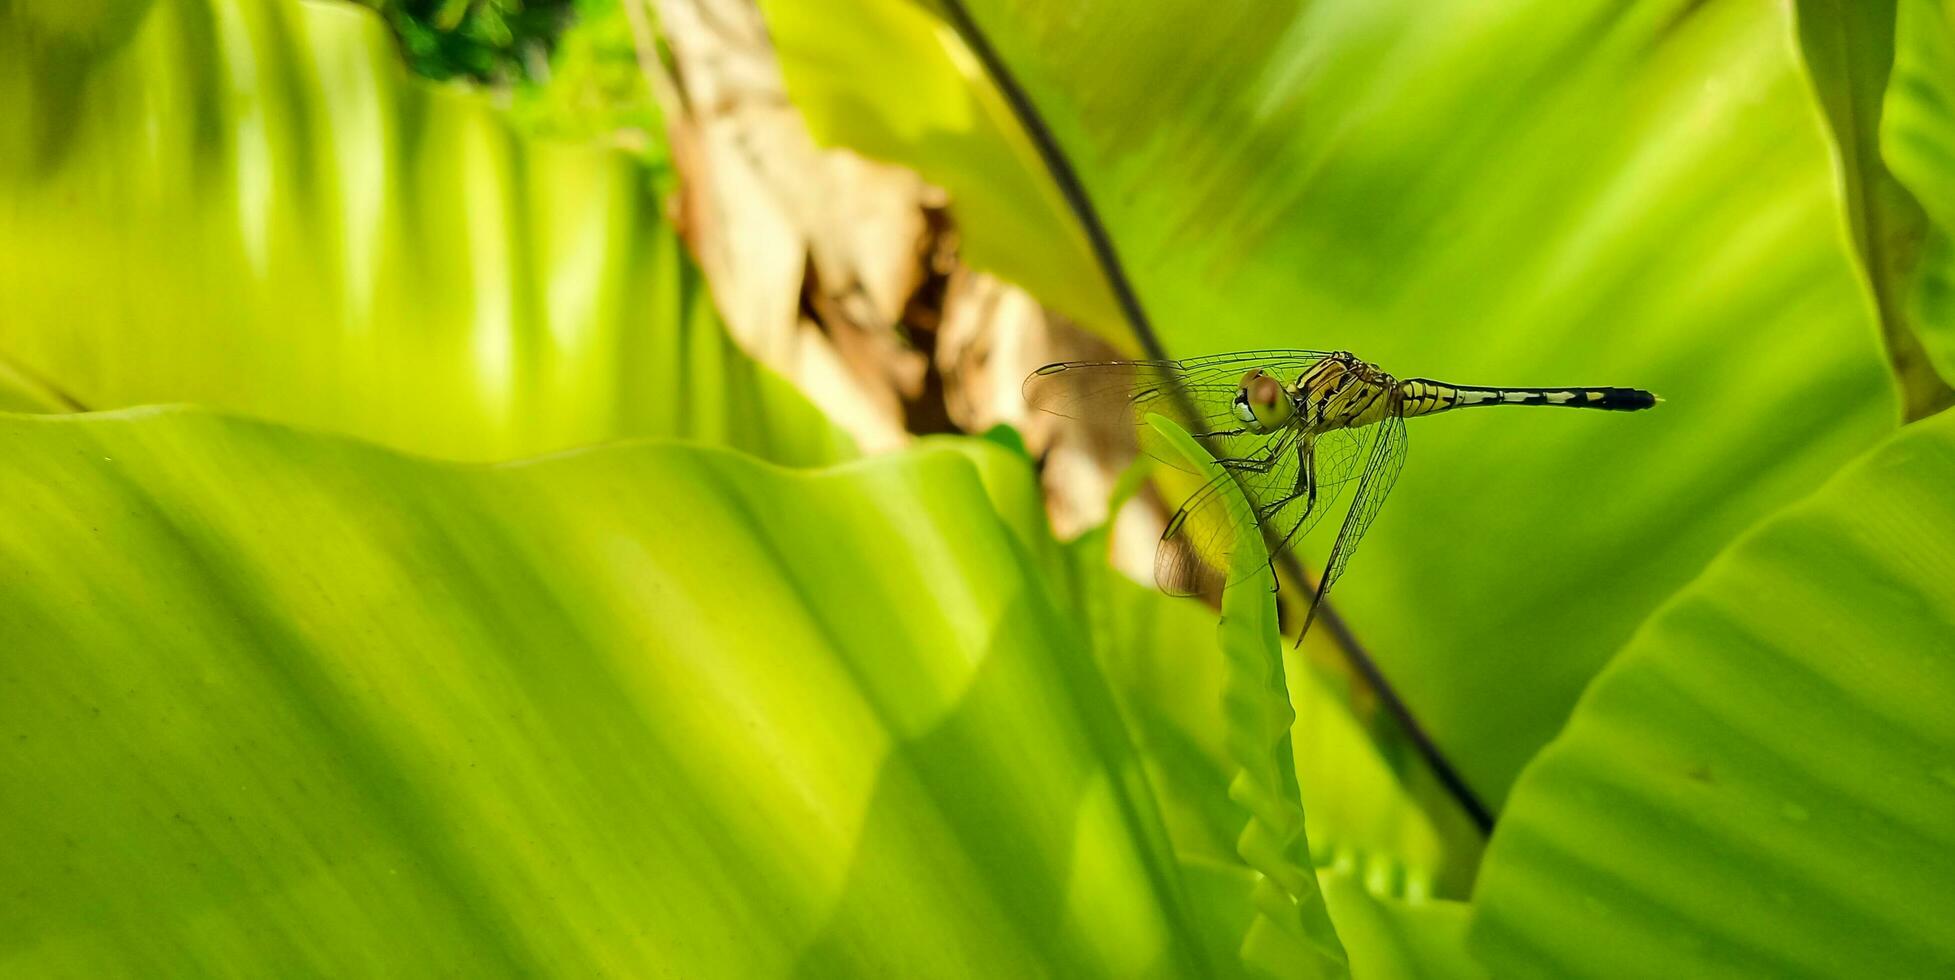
(1292,428)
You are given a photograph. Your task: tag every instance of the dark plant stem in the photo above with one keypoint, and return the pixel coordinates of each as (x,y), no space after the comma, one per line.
(1468,800)
(1081,204)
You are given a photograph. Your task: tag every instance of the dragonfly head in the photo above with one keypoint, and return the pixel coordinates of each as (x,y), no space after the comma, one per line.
(1262,402)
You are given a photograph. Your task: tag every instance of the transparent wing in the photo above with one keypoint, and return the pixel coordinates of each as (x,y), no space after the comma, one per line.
(1284,494)
(1381,469)
(1114,397)
(1338,454)
(1193,555)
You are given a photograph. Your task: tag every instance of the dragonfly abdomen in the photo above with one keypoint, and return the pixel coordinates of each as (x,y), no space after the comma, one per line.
(1422,396)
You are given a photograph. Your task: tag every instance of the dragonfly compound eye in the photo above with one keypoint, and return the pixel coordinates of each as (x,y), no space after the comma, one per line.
(1261,401)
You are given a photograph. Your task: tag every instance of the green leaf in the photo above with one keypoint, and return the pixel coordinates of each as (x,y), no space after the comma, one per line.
(1290,930)
(1917,138)
(1394,939)
(1849,49)
(1762,784)
(77,27)
(280,704)
(249,205)
(1159,655)
(1549,192)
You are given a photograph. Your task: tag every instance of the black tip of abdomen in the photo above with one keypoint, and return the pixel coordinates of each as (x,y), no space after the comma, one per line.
(1625,400)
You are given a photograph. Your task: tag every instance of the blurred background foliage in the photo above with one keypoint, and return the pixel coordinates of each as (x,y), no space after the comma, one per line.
(562,68)
(301,232)
(324,671)
(496,41)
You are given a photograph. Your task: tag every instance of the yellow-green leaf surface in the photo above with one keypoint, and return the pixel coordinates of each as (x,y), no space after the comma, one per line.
(1160,658)
(246,203)
(1763,784)
(280,704)
(1288,923)
(1395,939)
(1217,734)
(1536,192)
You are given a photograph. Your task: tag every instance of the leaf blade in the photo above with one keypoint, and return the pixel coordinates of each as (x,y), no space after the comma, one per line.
(281,703)
(1758,784)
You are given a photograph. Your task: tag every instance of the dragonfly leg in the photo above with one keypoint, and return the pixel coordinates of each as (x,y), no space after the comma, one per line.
(1306,486)
(1247,465)
(1259,464)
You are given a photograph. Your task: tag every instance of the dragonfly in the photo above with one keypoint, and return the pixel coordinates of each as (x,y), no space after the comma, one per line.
(1293,429)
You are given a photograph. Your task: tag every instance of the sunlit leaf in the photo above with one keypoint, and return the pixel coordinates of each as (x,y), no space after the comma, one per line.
(279,704)
(1393,939)
(247,203)
(1159,657)
(1289,931)
(1763,784)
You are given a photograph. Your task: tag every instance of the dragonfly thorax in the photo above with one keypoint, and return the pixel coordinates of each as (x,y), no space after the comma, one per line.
(1345,392)
(1263,403)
